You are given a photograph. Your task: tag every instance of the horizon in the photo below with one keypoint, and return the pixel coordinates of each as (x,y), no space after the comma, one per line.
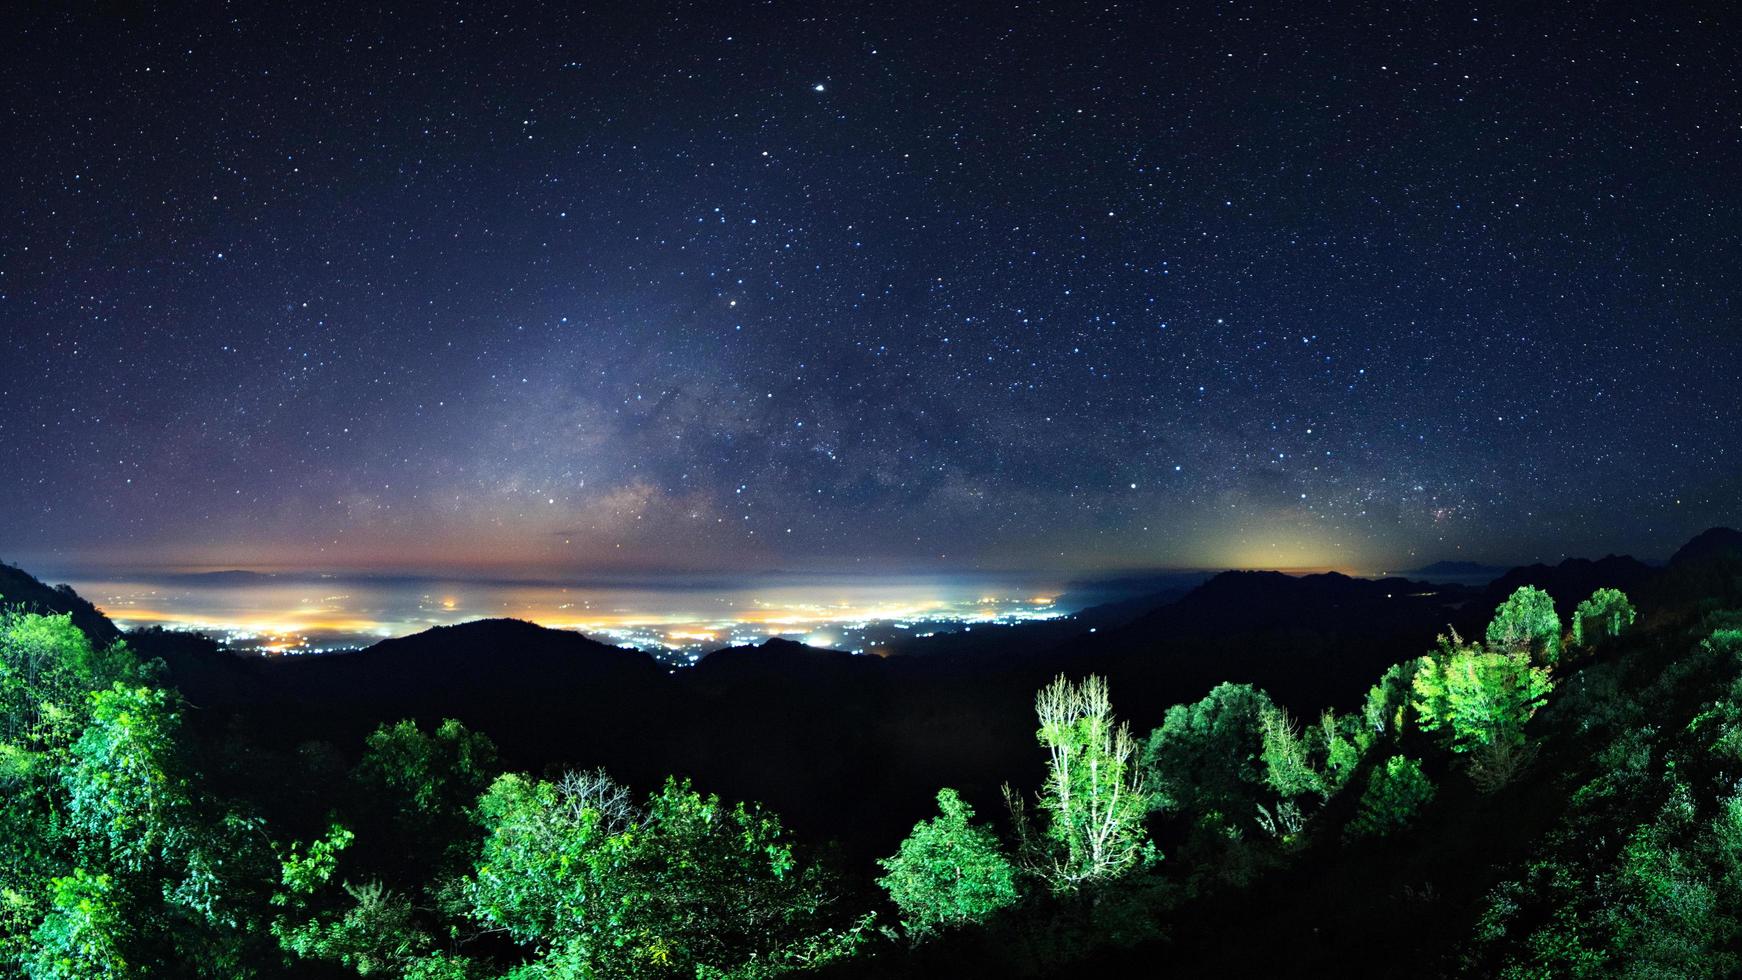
(674,617)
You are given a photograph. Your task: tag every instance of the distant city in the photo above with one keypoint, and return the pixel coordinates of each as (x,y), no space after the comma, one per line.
(270,616)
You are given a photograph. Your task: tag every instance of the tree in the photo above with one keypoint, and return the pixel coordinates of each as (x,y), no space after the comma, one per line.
(422,787)
(1602,617)
(684,885)
(1094,796)
(1340,741)
(126,785)
(187,866)
(47,666)
(1385,712)
(84,934)
(1396,792)
(1204,758)
(115,860)
(1527,623)
(1286,768)
(400,887)
(948,872)
(1480,700)
(377,935)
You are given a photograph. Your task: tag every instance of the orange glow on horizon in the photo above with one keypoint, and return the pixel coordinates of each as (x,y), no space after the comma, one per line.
(281,626)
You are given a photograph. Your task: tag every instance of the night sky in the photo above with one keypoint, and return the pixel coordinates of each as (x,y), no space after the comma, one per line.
(842,286)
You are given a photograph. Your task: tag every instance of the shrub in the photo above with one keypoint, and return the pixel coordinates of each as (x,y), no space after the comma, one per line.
(948,871)
(1204,759)
(1286,768)
(1526,623)
(1602,617)
(1396,792)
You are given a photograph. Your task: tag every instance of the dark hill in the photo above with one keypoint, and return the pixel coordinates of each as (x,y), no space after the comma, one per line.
(1239,602)
(1717,543)
(1706,572)
(1308,640)
(20,589)
(1572,581)
(543,694)
(1466,571)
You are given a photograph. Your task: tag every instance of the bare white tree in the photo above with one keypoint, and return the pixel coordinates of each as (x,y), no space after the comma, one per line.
(1094,795)
(594,789)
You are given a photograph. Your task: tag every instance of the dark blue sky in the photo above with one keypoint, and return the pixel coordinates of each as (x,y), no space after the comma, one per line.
(868,286)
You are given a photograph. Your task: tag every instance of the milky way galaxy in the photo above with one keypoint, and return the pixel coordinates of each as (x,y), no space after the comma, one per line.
(854,287)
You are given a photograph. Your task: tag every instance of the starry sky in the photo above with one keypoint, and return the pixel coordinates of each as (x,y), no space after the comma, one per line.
(685,287)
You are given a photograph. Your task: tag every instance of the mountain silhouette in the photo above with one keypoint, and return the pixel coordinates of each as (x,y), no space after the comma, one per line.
(1457,570)
(1572,581)
(1715,544)
(21,590)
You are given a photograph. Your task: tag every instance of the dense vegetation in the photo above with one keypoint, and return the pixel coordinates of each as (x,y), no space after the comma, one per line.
(1558,799)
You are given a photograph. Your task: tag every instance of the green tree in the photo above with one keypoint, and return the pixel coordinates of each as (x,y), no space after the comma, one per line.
(1203,760)
(1094,796)
(1340,741)
(1385,712)
(126,785)
(1480,701)
(420,788)
(193,866)
(1527,623)
(1396,792)
(47,666)
(112,851)
(378,934)
(1286,768)
(84,934)
(681,886)
(1602,617)
(948,872)
(384,906)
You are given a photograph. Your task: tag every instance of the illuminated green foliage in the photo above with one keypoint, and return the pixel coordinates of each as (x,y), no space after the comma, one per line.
(303,871)
(1340,741)
(125,785)
(418,789)
(1203,761)
(682,884)
(1385,711)
(47,666)
(1480,700)
(948,872)
(84,934)
(1396,792)
(377,935)
(368,927)
(1602,617)
(114,860)
(1094,797)
(1284,752)
(1527,623)
(412,828)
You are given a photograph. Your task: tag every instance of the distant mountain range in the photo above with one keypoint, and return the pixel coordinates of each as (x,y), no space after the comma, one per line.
(1462,571)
